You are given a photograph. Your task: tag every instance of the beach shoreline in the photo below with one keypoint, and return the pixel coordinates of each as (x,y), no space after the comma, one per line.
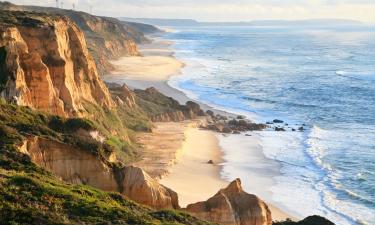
(187,171)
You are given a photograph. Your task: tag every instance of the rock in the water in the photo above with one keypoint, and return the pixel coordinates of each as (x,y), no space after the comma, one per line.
(278,121)
(232,206)
(311,220)
(301,129)
(279,129)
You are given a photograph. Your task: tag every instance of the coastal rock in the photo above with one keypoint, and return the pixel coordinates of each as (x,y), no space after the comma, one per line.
(176,116)
(195,109)
(140,187)
(127,96)
(47,66)
(232,206)
(210,162)
(278,121)
(210,113)
(311,220)
(232,126)
(279,129)
(161,108)
(77,166)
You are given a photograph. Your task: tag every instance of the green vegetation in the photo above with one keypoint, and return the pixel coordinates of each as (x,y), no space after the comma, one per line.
(24,18)
(31,195)
(17,123)
(119,127)
(154,103)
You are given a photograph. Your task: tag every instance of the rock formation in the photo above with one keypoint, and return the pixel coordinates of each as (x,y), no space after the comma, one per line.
(107,38)
(232,206)
(80,167)
(161,108)
(47,65)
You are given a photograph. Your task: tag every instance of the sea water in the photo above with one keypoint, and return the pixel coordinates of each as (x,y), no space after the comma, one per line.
(321,77)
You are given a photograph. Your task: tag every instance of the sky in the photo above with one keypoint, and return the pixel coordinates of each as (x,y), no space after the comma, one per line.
(223,10)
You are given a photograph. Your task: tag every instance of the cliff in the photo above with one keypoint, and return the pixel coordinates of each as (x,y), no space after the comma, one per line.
(46,65)
(232,206)
(107,38)
(77,166)
(29,194)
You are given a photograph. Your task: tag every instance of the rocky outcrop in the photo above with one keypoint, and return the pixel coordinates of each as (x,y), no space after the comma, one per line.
(47,65)
(173,116)
(161,108)
(140,187)
(311,220)
(80,167)
(232,206)
(126,96)
(222,124)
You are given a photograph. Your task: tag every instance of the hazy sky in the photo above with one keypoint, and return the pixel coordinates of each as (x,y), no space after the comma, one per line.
(225,10)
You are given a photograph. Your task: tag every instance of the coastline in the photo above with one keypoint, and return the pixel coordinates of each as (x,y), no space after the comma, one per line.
(185,168)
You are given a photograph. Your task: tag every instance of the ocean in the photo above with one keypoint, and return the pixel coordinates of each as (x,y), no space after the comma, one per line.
(323,78)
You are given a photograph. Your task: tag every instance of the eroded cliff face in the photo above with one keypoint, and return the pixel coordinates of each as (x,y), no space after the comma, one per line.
(80,167)
(232,206)
(107,38)
(47,65)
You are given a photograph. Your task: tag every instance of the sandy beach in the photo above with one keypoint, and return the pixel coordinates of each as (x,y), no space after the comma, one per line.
(177,153)
(192,176)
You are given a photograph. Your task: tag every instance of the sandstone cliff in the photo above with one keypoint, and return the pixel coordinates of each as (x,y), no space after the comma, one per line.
(47,66)
(232,206)
(107,38)
(76,166)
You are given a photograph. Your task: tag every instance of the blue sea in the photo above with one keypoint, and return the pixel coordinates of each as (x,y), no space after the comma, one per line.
(321,77)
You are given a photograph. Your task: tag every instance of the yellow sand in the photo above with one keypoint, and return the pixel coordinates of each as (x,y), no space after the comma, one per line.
(151,68)
(192,177)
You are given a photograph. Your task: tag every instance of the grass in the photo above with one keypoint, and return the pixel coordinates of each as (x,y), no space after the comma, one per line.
(31,195)
(32,198)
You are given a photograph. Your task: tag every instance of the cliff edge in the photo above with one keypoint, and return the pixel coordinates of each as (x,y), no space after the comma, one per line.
(46,65)
(107,38)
